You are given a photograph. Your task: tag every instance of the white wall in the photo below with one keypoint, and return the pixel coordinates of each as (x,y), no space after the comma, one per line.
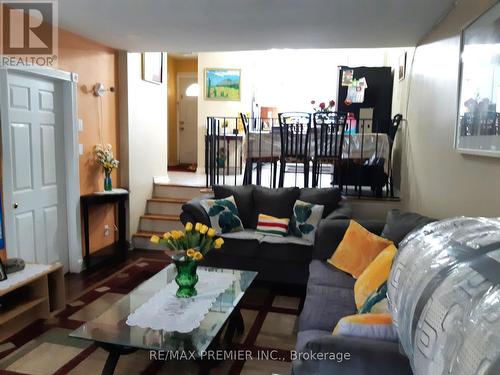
(440,182)
(143,132)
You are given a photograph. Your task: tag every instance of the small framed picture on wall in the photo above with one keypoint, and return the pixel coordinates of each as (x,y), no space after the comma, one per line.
(152,67)
(222,84)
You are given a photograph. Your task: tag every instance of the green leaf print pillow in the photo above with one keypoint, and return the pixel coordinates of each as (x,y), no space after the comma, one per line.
(223,214)
(305,220)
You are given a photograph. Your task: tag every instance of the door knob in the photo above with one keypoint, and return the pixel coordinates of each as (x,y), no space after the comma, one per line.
(15,205)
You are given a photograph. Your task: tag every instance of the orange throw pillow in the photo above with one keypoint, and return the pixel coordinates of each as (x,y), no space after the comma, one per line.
(374,275)
(357,250)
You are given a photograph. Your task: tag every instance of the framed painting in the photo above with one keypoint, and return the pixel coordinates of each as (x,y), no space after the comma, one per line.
(222,84)
(402,67)
(152,67)
(477,128)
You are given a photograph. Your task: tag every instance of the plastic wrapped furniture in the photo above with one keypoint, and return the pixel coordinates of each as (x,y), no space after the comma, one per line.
(444,293)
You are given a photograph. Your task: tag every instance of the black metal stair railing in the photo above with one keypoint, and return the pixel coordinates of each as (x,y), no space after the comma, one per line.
(234,142)
(237,149)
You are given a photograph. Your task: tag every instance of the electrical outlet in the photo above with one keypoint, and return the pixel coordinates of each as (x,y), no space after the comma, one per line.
(106,230)
(80,125)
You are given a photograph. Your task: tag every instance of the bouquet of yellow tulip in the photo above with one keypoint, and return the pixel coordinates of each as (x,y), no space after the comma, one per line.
(189,248)
(194,242)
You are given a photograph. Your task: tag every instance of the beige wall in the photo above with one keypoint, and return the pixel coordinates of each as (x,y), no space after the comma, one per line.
(143,128)
(438,181)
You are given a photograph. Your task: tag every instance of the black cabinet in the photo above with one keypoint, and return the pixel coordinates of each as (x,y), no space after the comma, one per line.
(378,95)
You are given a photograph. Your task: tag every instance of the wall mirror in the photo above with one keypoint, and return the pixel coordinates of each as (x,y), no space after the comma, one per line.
(478,125)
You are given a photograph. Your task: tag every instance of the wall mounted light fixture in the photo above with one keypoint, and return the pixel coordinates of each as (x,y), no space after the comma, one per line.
(99,89)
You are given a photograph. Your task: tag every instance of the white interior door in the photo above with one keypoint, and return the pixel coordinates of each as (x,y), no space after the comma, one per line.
(188,122)
(34,181)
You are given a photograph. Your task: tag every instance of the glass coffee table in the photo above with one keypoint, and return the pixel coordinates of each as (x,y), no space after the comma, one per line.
(111,332)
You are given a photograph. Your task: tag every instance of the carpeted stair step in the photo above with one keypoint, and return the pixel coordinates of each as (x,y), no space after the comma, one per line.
(177,191)
(165,206)
(141,240)
(160,223)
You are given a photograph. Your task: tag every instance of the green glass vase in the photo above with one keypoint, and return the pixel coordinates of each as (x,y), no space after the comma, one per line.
(108,183)
(186,277)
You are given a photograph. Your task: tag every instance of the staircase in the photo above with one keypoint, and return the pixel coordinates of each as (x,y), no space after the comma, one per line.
(163,211)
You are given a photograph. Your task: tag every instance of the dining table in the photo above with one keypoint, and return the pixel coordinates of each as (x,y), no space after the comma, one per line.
(359,146)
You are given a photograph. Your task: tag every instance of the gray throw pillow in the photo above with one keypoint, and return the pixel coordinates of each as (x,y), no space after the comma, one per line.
(327,197)
(399,224)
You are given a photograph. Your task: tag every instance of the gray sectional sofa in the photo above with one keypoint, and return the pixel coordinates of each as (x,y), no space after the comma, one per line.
(330,296)
(329,291)
(280,263)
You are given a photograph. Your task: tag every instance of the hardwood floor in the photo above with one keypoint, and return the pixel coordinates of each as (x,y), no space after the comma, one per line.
(77,283)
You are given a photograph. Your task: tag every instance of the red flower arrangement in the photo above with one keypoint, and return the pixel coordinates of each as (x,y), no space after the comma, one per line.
(323,107)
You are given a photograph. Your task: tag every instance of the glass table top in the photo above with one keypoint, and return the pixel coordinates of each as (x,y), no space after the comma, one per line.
(111,328)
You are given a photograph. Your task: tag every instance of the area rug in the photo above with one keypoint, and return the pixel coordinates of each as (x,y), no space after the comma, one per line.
(44,347)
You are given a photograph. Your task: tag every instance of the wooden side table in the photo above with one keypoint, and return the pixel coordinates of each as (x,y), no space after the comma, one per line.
(117,196)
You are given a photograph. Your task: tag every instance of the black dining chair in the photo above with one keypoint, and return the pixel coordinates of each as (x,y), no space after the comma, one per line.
(391,134)
(329,130)
(393,129)
(259,159)
(295,132)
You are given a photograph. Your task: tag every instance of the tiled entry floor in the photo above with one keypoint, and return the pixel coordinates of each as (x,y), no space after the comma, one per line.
(45,347)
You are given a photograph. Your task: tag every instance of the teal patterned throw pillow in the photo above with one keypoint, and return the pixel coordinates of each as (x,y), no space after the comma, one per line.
(223,214)
(305,220)
(376,302)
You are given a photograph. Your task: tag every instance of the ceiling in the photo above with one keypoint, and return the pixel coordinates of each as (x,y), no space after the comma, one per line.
(225,25)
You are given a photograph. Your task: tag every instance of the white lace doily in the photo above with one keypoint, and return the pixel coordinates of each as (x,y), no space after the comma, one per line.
(29,271)
(167,312)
